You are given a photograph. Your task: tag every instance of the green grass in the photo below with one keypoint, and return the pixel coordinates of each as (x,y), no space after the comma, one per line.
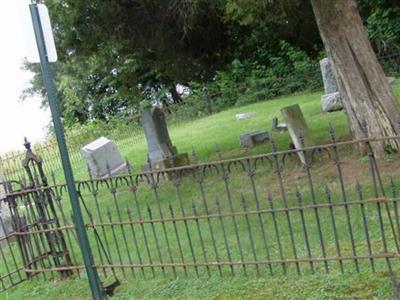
(333,286)
(224,130)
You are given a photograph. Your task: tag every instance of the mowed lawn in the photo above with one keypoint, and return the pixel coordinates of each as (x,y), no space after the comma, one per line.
(203,134)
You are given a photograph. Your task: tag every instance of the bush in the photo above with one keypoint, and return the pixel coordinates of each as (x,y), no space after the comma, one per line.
(287,72)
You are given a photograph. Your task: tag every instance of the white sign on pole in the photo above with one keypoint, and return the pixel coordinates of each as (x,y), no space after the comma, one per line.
(32,54)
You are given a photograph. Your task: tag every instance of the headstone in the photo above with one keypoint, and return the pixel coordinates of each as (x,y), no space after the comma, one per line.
(103,158)
(253,138)
(391,80)
(298,129)
(276,126)
(331,101)
(245,116)
(162,154)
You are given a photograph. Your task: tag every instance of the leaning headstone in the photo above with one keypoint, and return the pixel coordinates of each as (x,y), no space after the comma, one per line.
(276,126)
(162,154)
(331,101)
(254,138)
(298,129)
(103,158)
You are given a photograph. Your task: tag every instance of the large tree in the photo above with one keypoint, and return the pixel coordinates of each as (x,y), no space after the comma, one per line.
(366,94)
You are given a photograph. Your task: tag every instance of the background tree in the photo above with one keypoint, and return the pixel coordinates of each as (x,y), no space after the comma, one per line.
(113,54)
(366,94)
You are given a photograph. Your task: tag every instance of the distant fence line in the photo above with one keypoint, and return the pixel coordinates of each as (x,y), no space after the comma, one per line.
(260,215)
(125,137)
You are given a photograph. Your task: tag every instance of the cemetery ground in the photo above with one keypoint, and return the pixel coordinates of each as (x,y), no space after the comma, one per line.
(222,129)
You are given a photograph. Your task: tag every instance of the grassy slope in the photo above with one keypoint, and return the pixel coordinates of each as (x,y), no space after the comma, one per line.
(223,129)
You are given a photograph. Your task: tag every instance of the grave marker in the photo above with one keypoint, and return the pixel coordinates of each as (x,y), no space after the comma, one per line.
(331,101)
(162,154)
(298,129)
(103,157)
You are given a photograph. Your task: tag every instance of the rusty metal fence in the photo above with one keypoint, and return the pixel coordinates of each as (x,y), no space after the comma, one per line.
(261,215)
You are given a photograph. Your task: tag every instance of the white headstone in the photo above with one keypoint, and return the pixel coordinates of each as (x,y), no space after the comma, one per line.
(331,101)
(244,116)
(102,153)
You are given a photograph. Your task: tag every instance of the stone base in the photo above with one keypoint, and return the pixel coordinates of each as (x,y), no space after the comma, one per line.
(178,160)
(120,170)
(391,80)
(331,102)
(254,138)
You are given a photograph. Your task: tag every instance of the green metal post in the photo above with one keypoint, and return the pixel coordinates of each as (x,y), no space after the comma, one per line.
(48,80)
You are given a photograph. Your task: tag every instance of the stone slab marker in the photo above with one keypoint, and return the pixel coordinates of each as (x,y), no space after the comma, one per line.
(102,154)
(331,101)
(254,138)
(297,128)
(162,154)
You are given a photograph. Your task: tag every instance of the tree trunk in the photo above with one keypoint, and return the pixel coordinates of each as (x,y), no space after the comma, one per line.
(367,96)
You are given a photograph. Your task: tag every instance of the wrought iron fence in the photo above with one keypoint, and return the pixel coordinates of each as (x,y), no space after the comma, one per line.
(258,215)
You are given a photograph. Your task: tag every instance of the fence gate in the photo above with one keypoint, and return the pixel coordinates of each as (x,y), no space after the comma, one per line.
(35,221)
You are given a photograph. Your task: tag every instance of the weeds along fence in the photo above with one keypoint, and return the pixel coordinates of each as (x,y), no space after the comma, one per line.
(261,215)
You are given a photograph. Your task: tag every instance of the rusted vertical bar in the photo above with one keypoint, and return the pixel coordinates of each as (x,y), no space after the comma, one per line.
(278,171)
(135,241)
(225,178)
(251,239)
(221,221)
(334,227)
(277,235)
(303,223)
(201,238)
(336,161)
(113,191)
(200,181)
(178,240)
(251,174)
(307,166)
(116,242)
(365,223)
(177,183)
(155,238)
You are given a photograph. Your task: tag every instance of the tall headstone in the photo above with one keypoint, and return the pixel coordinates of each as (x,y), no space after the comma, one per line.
(331,101)
(298,129)
(162,154)
(103,158)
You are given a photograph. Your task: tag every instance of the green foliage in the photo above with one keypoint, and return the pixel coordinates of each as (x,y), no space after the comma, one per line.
(113,55)
(287,72)
(383,24)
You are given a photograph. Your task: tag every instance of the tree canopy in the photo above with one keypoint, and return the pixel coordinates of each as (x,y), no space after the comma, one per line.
(111,53)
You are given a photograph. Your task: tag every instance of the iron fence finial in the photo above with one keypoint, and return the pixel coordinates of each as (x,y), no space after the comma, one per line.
(27,144)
